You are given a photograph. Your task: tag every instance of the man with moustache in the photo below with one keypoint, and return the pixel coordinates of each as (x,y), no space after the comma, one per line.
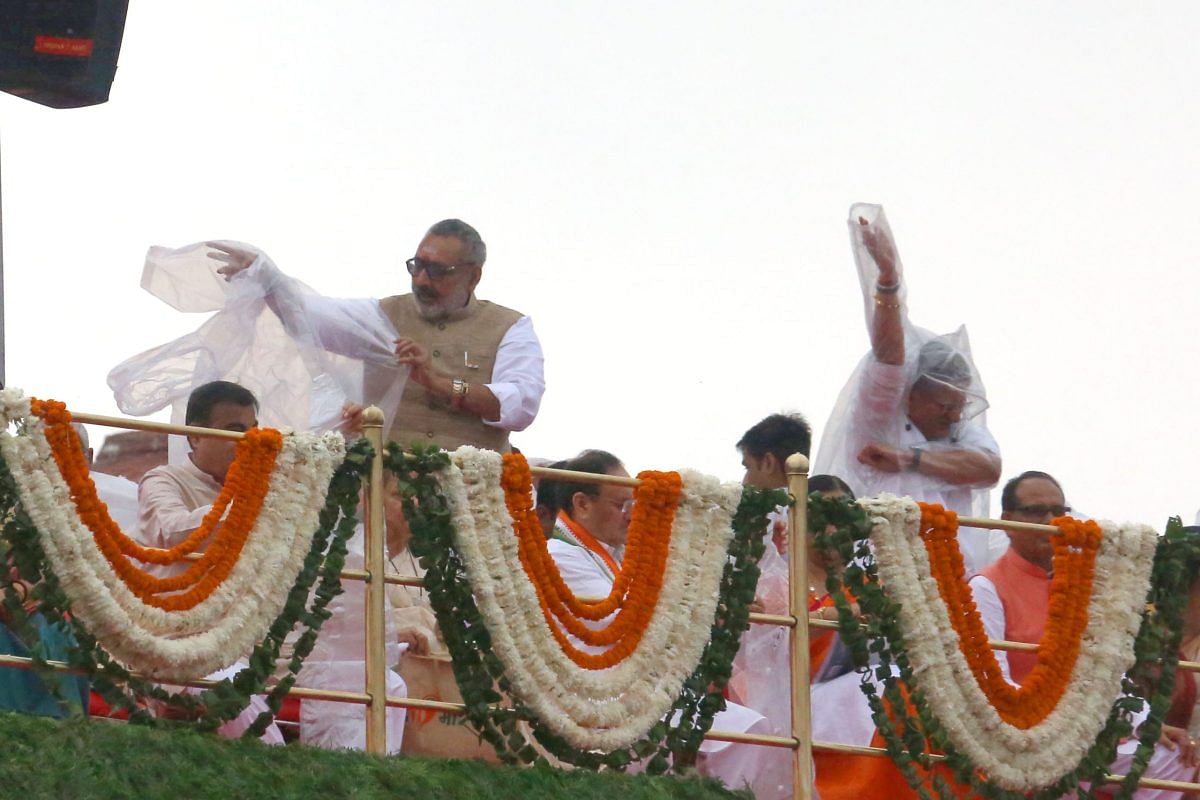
(1013,597)
(476,366)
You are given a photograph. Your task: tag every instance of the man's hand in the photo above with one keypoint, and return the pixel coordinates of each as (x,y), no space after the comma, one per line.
(1173,738)
(884,457)
(882,250)
(235,259)
(419,361)
(352,422)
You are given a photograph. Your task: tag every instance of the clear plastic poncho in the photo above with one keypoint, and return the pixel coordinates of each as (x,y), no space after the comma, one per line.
(301,354)
(872,407)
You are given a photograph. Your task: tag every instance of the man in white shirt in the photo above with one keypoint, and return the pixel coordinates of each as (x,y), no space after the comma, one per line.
(587,546)
(476,367)
(910,420)
(174,499)
(1013,598)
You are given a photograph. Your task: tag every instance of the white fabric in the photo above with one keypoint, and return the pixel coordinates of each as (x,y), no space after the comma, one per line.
(766,770)
(761,677)
(872,408)
(991,609)
(168,498)
(1164,765)
(262,337)
(121,496)
(338,662)
(173,500)
(840,712)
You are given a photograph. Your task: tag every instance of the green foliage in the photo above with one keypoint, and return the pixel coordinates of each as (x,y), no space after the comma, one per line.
(100,760)
(480,673)
(224,701)
(876,643)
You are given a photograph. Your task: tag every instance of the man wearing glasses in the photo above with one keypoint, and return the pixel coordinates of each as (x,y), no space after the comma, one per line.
(1013,594)
(1013,598)
(475,366)
(910,420)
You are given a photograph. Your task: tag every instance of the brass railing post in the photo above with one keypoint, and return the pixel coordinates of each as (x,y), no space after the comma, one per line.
(374,544)
(802,764)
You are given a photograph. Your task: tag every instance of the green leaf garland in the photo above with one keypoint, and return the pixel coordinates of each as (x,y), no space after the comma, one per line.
(672,743)
(228,698)
(876,644)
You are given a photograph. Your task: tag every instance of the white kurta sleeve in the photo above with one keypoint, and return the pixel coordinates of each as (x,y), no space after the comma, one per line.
(164,520)
(987,600)
(517,379)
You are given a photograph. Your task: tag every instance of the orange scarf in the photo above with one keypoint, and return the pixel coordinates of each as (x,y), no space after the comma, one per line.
(590,542)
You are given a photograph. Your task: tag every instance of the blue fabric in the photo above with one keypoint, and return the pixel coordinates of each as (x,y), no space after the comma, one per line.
(29,692)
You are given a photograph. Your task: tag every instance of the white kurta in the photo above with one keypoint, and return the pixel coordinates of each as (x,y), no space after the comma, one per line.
(878,416)
(766,770)
(172,501)
(338,662)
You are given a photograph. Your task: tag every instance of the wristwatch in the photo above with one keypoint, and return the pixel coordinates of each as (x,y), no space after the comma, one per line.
(458,392)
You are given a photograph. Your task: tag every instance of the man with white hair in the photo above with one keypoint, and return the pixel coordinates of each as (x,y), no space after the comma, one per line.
(910,420)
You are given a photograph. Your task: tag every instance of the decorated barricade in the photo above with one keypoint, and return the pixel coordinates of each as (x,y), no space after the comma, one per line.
(530,690)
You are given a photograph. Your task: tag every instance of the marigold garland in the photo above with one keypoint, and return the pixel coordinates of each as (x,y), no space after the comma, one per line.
(638,583)
(242,494)
(1070,591)
(908,641)
(486,613)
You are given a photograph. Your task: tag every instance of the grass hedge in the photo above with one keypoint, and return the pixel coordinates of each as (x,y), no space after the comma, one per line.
(98,760)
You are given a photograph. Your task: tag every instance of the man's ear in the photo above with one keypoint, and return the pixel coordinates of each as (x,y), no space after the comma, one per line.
(770,464)
(475,281)
(580,499)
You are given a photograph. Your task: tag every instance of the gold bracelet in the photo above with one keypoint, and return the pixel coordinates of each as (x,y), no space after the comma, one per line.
(880,303)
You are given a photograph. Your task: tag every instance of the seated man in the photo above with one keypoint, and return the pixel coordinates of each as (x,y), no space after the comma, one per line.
(174,499)
(1013,597)
(338,659)
(588,545)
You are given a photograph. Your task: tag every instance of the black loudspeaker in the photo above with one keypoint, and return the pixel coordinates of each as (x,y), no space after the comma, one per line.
(60,53)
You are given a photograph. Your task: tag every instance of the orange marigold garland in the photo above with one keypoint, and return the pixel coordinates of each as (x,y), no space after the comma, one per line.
(636,587)
(1070,592)
(242,495)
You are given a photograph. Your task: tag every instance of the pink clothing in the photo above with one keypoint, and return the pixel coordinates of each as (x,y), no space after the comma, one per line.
(1024,591)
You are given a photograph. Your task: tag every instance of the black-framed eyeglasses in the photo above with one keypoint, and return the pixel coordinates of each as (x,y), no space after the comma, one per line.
(1042,511)
(433,269)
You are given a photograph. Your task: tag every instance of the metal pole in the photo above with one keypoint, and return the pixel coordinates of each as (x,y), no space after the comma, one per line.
(373,547)
(802,763)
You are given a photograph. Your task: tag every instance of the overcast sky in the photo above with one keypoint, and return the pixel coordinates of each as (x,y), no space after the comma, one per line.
(663,188)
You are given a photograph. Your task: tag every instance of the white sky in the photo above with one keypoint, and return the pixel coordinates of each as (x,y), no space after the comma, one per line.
(663,188)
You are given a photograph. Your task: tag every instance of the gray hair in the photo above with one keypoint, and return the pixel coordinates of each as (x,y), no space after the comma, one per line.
(476,250)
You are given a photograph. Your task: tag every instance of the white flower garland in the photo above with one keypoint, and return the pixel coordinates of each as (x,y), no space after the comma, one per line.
(174,645)
(1014,758)
(592,709)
